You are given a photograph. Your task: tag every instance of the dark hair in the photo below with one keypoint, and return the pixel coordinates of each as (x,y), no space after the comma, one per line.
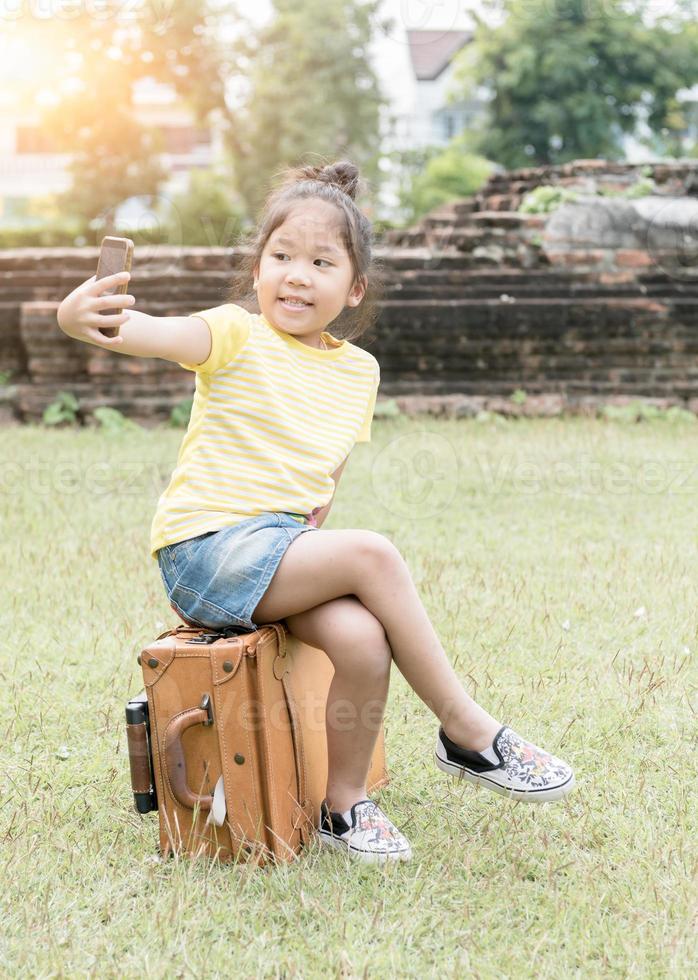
(337,183)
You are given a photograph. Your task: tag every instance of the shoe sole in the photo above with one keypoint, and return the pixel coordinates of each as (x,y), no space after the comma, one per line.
(527,796)
(371,857)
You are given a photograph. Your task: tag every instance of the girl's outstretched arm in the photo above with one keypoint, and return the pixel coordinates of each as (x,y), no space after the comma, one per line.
(185,339)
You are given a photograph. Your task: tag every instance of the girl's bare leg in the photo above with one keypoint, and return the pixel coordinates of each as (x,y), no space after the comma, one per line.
(323,565)
(356,644)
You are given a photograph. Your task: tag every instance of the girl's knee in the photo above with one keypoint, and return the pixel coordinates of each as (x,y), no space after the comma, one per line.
(378,549)
(337,625)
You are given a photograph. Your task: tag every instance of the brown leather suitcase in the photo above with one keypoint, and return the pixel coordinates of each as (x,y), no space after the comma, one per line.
(228,742)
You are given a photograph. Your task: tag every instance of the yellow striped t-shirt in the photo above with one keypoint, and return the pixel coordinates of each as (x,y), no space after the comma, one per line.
(271,420)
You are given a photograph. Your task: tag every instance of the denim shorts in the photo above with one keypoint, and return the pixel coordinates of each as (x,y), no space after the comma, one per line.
(217,579)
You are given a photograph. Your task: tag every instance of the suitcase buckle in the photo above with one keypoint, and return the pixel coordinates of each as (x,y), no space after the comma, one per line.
(225,634)
(205,638)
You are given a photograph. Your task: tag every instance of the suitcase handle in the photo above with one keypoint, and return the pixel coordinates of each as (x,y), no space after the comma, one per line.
(175,765)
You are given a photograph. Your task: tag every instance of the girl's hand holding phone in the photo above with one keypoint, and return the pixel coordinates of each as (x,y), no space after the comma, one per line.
(79,316)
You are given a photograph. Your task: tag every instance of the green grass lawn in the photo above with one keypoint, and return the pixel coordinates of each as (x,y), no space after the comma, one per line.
(558,562)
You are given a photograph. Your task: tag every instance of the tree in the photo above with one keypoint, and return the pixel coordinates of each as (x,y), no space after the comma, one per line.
(114,157)
(570,77)
(206,213)
(434,175)
(311,93)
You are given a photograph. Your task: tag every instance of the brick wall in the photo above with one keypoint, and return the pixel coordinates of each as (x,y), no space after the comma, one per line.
(597,299)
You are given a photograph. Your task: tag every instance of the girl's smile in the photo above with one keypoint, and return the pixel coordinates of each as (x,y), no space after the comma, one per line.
(297,306)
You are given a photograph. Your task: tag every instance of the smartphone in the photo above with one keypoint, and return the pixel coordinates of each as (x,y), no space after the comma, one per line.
(115,256)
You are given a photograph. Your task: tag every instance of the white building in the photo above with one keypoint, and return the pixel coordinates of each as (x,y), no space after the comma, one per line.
(418,79)
(421,114)
(31,169)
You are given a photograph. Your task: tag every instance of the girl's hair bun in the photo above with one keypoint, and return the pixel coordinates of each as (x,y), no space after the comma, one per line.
(343,174)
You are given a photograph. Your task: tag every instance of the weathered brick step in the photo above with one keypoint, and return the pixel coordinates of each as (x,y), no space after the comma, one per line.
(612,303)
(485,235)
(568,382)
(459,321)
(467,239)
(521,290)
(575,386)
(462,350)
(147,277)
(519,372)
(545,277)
(82,262)
(10,311)
(522,257)
(466,220)
(637,263)
(458,208)
(573,380)
(554,173)
(508,275)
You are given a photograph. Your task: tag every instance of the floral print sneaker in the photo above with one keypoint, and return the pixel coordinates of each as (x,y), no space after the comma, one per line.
(363,831)
(510,766)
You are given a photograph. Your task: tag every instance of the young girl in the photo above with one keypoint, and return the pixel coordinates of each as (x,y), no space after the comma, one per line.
(278,406)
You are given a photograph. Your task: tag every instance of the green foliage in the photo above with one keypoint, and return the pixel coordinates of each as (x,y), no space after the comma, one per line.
(639,411)
(382,225)
(435,175)
(570,77)
(678,414)
(112,420)
(518,397)
(549,197)
(180,414)
(310,85)
(407,167)
(641,188)
(546,198)
(496,418)
(64,408)
(5,377)
(386,409)
(54,235)
(207,214)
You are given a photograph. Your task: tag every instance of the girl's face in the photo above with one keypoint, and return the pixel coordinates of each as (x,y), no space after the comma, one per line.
(304,259)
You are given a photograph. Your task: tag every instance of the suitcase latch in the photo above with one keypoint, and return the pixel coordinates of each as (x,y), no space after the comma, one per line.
(205,638)
(211,637)
(206,706)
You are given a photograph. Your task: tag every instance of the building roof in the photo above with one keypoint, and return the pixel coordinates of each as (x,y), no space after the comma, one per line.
(432,51)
